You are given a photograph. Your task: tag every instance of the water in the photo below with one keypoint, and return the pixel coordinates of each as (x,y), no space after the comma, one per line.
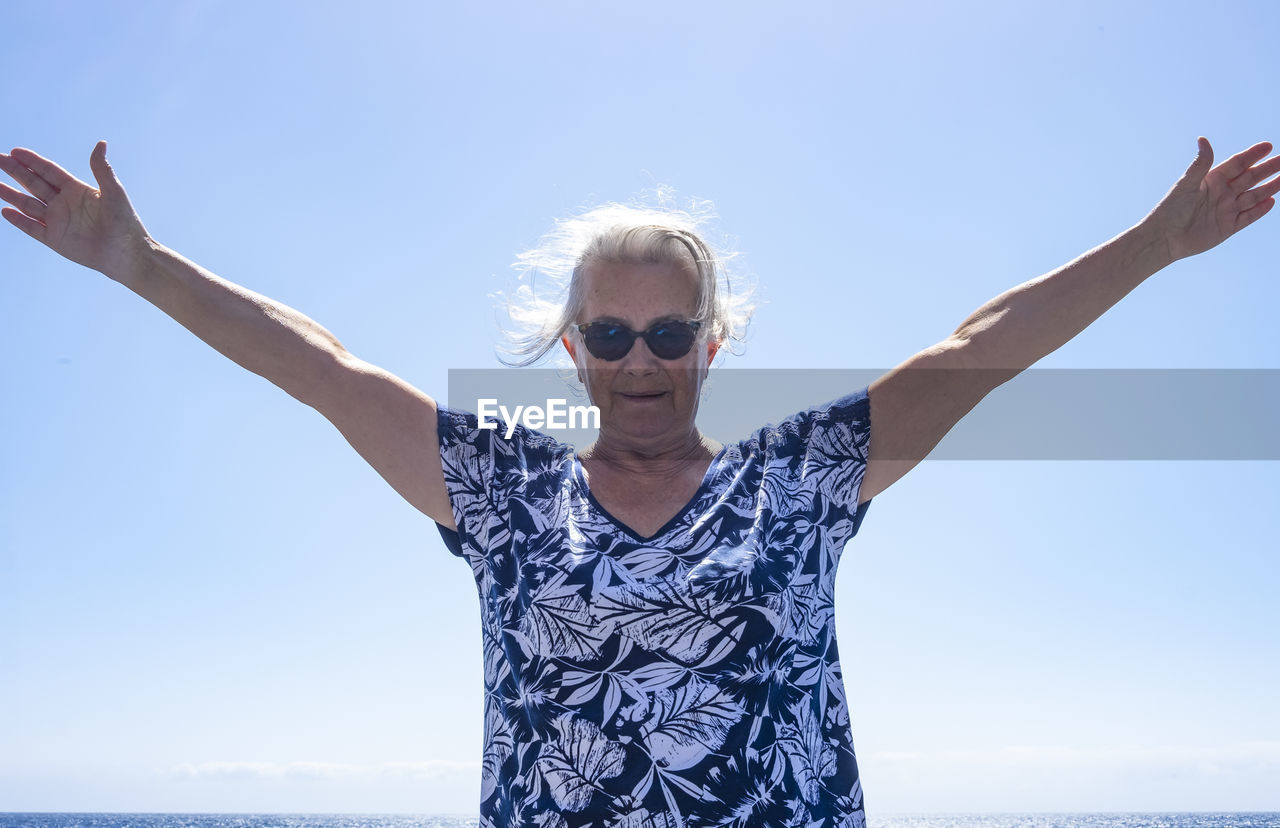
(1144,820)
(234,821)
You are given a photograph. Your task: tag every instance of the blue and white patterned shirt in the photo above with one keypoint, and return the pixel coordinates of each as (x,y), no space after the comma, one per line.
(686,679)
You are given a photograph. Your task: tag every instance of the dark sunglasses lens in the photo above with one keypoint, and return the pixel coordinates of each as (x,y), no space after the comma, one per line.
(670,340)
(608,342)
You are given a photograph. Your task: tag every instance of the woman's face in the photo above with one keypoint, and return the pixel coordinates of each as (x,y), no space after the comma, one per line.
(645,403)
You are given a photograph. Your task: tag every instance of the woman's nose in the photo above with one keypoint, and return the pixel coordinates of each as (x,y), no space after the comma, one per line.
(640,358)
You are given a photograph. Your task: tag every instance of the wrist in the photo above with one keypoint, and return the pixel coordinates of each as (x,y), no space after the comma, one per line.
(133,260)
(1152,245)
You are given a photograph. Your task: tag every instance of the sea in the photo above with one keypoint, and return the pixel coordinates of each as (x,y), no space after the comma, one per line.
(1083,820)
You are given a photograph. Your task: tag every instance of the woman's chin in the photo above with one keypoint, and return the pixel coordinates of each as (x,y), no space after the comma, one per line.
(642,425)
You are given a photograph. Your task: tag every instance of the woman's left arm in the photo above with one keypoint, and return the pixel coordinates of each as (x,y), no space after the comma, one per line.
(914,405)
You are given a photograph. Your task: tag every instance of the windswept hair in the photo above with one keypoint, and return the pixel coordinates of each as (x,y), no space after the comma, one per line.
(549,298)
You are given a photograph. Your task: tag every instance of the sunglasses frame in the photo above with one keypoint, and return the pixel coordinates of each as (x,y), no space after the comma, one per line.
(645,335)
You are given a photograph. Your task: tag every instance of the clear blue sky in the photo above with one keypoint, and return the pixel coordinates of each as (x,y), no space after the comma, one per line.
(209,602)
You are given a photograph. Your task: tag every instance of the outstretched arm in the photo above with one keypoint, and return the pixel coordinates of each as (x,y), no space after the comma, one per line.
(389,422)
(99,229)
(917,403)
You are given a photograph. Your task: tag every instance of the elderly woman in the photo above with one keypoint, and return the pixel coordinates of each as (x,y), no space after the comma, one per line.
(657,608)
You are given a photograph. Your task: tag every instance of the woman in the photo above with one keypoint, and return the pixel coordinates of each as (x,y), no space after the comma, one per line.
(657,609)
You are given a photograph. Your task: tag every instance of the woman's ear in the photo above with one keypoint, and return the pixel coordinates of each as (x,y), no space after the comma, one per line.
(573,355)
(712,349)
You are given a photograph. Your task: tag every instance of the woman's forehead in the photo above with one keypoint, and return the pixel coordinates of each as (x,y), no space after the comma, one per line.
(639,292)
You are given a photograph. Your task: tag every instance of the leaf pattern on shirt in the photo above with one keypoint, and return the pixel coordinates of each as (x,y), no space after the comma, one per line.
(687,723)
(644,819)
(664,615)
(685,680)
(578,761)
(812,758)
(557,623)
(498,747)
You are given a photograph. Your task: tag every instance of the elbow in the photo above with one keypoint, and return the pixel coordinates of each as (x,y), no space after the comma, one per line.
(982,357)
(315,380)
(995,347)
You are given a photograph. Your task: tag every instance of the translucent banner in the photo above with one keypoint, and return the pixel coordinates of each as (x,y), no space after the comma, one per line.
(1041,414)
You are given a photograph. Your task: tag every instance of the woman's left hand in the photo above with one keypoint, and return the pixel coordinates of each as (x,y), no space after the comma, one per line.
(1209,204)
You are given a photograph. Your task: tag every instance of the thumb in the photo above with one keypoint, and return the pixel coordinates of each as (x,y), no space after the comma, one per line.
(1204,161)
(102,172)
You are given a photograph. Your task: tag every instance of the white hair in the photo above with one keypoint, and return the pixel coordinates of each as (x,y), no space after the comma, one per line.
(549,299)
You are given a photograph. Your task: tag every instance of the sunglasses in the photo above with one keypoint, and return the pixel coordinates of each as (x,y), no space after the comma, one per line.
(666,340)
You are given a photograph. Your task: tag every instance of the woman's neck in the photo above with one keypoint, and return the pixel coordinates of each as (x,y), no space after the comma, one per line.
(651,460)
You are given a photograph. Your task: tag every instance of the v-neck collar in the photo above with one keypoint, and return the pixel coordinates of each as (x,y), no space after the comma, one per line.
(580,476)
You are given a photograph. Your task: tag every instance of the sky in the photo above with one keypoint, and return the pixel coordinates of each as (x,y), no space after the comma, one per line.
(209,602)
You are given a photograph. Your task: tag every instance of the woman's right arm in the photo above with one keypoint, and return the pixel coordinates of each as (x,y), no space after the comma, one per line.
(389,422)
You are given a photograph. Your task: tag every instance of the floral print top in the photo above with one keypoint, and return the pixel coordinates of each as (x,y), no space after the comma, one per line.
(682,680)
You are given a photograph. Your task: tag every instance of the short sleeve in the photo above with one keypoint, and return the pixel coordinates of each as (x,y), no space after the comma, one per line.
(483,468)
(821,453)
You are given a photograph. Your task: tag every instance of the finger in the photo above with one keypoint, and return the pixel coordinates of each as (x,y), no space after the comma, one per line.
(1245,159)
(102,171)
(46,169)
(33,207)
(1253,175)
(30,226)
(34,184)
(1253,214)
(1247,200)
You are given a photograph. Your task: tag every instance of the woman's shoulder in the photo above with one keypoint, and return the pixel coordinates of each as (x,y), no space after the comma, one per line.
(499,450)
(848,416)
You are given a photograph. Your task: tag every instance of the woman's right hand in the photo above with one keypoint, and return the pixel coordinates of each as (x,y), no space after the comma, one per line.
(97,228)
